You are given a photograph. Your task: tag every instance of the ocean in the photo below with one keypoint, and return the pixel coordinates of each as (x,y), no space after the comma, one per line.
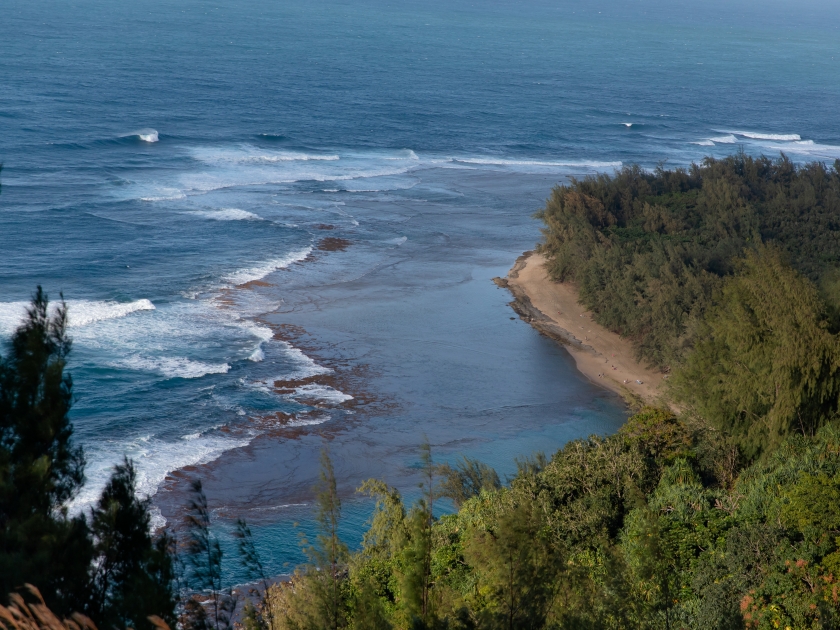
(276,223)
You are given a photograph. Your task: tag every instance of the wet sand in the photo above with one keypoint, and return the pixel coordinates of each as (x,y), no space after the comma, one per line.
(601,355)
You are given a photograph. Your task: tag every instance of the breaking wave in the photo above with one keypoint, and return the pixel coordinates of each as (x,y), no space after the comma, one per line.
(172,367)
(79,312)
(260,271)
(320,392)
(154,459)
(488,161)
(146,135)
(227,214)
(754,135)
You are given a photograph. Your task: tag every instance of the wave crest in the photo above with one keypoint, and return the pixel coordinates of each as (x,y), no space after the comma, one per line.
(569,164)
(155,459)
(730,139)
(259,272)
(227,214)
(320,392)
(146,135)
(79,312)
(754,135)
(172,367)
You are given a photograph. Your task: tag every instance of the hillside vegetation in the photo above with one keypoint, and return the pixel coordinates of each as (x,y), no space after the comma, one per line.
(650,251)
(725,274)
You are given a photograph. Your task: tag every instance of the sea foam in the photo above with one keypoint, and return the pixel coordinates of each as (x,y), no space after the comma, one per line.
(489,161)
(753,135)
(320,392)
(164,194)
(246,153)
(79,312)
(260,271)
(154,459)
(305,366)
(227,214)
(305,421)
(83,312)
(810,148)
(146,135)
(172,367)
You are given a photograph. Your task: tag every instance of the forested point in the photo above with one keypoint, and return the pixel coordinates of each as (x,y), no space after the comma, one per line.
(724,516)
(726,275)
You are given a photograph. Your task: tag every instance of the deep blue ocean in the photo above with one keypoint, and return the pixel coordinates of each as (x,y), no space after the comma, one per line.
(276,221)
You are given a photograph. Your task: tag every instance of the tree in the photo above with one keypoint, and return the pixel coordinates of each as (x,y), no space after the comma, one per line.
(252,562)
(316,598)
(40,467)
(466,480)
(328,555)
(768,365)
(517,569)
(134,573)
(204,556)
(417,581)
(373,569)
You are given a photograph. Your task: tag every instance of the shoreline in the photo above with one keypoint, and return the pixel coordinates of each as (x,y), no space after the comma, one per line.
(601,355)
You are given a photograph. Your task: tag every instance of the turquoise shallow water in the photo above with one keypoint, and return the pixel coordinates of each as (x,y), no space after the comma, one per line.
(158,155)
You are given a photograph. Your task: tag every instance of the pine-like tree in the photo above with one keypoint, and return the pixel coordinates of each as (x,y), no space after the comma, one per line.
(417,554)
(467,479)
(254,618)
(134,573)
(204,555)
(328,555)
(517,569)
(40,468)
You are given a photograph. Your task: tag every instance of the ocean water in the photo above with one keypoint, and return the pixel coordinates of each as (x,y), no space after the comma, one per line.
(317,194)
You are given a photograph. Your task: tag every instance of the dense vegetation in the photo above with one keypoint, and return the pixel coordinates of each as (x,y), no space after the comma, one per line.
(650,251)
(725,274)
(649,528)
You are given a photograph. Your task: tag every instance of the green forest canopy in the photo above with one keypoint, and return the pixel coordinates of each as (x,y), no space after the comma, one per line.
(726,274)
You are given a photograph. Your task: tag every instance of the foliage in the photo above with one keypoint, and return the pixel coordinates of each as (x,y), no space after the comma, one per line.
(634,530)
(254,618)
(110,568)
(466,480)
(28,611)
(316,598)
(204,555)
(649,250)
(34,614)
(516,565)
(134,573)
(40,467)
(767,364)
(726,273)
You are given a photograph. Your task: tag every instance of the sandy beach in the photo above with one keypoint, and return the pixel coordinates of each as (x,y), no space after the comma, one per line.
(601,355)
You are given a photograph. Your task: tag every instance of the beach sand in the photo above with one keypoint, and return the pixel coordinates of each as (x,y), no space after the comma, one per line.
(601,355)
